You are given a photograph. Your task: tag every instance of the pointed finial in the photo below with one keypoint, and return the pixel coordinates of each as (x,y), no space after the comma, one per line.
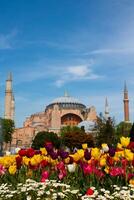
(125,87)
(9,77)
(66,94)
(106,109)
(106,102)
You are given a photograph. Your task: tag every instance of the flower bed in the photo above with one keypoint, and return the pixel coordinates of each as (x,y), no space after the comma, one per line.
(48,173)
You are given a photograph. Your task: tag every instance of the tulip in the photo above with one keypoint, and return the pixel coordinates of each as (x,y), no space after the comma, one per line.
(87,169)
(129,155)
(12,169)
(119,146)
(48,146)
(102,162)
(117,171)
(22,152)
(62,174)
(89,192)
(30,152)
(63,154)
(71,167)
(125,141)
(84,146)
(44,176)
(87,155)
(43,151)
(18,161)
(131,146)
(53,154)
(60,166)
(111,151)
(95,152)
(2,170)
(105,147)
(43,163)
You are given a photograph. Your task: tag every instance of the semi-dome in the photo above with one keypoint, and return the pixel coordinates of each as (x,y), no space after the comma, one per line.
(67,101)
(88,125)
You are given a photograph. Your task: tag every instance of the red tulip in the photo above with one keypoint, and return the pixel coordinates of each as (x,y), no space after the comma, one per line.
(30,152)
(89,191)
(22,152)
(18,161)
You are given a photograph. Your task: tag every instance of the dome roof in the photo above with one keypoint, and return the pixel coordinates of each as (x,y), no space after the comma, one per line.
(88,125)
(66,99)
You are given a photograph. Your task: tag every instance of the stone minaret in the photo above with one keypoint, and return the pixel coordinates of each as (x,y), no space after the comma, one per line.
(9,99)
(12,108)
(126,104)
(106,109)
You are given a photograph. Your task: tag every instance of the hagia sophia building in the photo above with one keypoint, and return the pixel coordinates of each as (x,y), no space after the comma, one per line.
(62,111)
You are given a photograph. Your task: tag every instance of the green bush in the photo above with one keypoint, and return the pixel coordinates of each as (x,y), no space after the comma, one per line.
(42,137)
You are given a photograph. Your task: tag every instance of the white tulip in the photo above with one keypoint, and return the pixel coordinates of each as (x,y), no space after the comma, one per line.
(71,167)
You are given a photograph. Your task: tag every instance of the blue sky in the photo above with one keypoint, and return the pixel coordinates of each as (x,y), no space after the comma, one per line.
(83,46)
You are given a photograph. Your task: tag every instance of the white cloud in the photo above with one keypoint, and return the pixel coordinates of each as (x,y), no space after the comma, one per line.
(58,75)
(111,51)
(79,71)
(76,73)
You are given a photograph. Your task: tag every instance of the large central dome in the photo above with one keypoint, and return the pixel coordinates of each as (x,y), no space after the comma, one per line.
(67,101)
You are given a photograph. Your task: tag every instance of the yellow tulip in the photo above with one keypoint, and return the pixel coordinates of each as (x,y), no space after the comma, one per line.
(106,170)
(26,160)
(95,152)
(128,155)
(33,161)
(84,146)
(80,152)
(102,162)
(12,169)
(43,151)
(119,146)
(125,141)
(67,160)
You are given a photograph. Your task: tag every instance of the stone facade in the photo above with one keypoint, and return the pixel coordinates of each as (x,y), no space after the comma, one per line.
(61,112)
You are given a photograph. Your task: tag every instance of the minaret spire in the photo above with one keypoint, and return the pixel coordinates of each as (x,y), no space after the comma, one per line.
(66,94)
(126,103)
(125,87)
(106,109)
(9,99)
(9,76)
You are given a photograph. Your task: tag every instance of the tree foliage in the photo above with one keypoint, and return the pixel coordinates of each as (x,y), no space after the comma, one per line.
(123,129)
(8,127)
(42,137)
(131,135)
(74,137)
(105,131)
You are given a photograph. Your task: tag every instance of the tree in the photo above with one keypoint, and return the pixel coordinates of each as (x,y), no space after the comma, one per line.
(8,127)
(105,131)
(132,133)
(123,129)
(74,137)
(42,137)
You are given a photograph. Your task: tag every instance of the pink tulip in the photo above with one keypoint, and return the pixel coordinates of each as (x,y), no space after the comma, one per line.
(2,170)
(44,176)
(87,169)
